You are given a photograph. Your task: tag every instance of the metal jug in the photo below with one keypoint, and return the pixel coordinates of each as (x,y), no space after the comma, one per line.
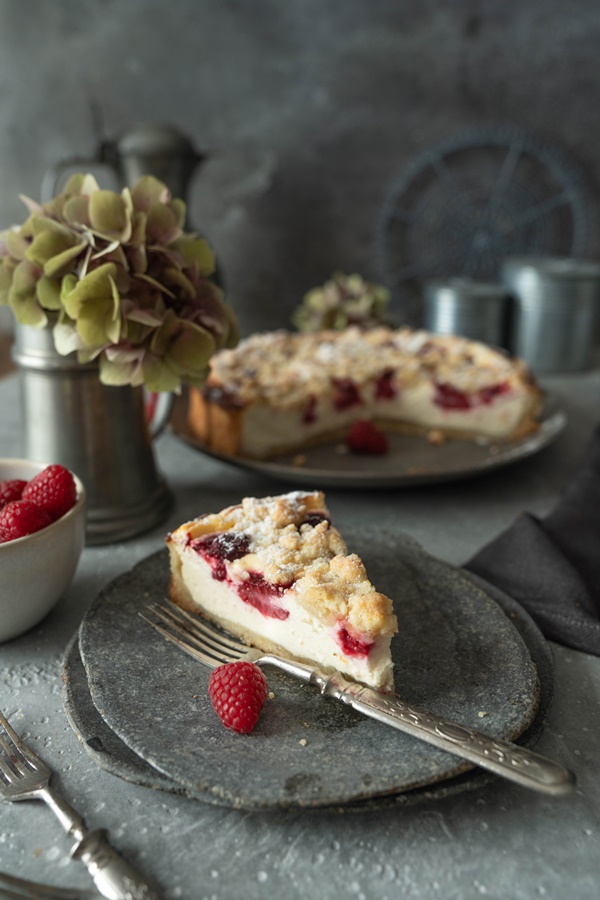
(103,434)
(157,150)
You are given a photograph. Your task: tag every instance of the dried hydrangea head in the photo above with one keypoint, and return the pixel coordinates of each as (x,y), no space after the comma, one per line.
(343,300)
(120,281)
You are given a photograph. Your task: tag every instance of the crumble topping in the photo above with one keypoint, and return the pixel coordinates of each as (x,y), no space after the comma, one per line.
(281,368)
(292,541)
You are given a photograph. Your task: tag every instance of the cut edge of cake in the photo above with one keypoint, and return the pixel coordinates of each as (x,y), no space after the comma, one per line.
(280,392)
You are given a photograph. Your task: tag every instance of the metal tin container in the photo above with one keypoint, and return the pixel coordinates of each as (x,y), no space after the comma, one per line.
(554,311)
(473,309)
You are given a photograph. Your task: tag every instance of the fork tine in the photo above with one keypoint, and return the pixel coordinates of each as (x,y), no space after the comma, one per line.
(22,749)
(201,640)
(186,644)
(204,633)
(199,626)
(13,763)
(6,768)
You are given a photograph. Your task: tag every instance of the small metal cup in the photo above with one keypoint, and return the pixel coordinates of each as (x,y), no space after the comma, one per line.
(554,311)
(473,309)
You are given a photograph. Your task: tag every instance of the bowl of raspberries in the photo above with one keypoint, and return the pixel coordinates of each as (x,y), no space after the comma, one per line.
(42,534)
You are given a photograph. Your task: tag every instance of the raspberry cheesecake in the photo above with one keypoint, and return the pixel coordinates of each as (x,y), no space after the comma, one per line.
(277,573)
(278,392)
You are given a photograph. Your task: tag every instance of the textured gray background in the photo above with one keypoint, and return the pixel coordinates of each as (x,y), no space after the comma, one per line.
(310,109)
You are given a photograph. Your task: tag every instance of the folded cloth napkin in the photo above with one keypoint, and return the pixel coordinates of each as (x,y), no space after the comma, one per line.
(552,566)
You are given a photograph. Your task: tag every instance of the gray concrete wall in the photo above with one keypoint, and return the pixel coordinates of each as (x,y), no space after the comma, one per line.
(310,109)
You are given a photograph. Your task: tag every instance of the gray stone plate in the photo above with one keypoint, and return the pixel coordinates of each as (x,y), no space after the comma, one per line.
(411,460)
(457,653)
(110,753)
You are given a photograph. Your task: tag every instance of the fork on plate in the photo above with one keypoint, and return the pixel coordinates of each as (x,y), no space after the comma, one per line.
(24,776)
(213,647)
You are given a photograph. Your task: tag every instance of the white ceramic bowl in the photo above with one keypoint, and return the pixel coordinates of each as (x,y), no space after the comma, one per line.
(36,570)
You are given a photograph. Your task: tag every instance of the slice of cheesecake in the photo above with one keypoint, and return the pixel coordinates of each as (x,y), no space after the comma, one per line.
(276,572)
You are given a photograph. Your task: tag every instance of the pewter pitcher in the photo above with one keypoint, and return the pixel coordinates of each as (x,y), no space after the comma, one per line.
(157,150)
(99,432)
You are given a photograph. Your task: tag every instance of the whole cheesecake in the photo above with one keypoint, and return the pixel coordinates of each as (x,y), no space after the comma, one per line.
(277,573)
(279,392)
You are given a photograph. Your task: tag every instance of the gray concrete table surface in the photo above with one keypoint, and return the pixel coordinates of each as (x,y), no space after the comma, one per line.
(497,841)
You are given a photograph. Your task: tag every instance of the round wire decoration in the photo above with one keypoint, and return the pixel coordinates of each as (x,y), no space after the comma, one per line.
(465,205)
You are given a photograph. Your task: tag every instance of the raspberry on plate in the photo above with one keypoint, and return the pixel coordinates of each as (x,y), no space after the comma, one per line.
(11,490)
(364,437)
(238,691)
(20,518)
(53,489)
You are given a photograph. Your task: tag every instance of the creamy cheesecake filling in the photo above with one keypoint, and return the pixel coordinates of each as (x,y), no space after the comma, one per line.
(289,628)
(494,413)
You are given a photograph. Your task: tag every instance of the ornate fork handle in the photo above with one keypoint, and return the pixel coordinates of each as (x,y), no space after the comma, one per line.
(501,757)
(113,876)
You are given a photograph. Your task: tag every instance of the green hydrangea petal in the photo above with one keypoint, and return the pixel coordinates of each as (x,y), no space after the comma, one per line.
(162,224)
(158,376)
(110,216)
(176,279)
(114,373)
(197,252)
(6,278)
(60,264)
(179,210)
(97,326)
(76,211)
(191,350)
(16,244)
(66,339)
(147,191)
(48,293)
(97,285)
(81,184)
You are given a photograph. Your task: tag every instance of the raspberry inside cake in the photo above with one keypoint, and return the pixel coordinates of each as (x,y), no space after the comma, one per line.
(278,392)
(278,574)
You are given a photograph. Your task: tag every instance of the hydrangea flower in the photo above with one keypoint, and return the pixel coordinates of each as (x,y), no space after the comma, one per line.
(342,301)
(120,282)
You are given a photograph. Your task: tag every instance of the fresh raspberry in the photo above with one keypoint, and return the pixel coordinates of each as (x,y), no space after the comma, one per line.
(238,691)
(364,437)
(5,535)
(53,489)
(11,490)
(22,517)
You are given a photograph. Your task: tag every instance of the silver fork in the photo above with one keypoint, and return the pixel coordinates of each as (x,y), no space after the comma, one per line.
(14,888)
(213,647)
(24,776)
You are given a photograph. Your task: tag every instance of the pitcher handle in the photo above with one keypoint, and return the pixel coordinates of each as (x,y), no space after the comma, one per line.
(158,411)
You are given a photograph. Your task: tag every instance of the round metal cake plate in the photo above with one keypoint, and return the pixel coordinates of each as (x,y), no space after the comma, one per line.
(110,753)
(457,654)
(411,461)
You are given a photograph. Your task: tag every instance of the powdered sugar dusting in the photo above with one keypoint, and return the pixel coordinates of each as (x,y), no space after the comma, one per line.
(282,367)
(292,543)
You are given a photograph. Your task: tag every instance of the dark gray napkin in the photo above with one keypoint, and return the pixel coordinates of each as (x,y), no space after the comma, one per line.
(551,566)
